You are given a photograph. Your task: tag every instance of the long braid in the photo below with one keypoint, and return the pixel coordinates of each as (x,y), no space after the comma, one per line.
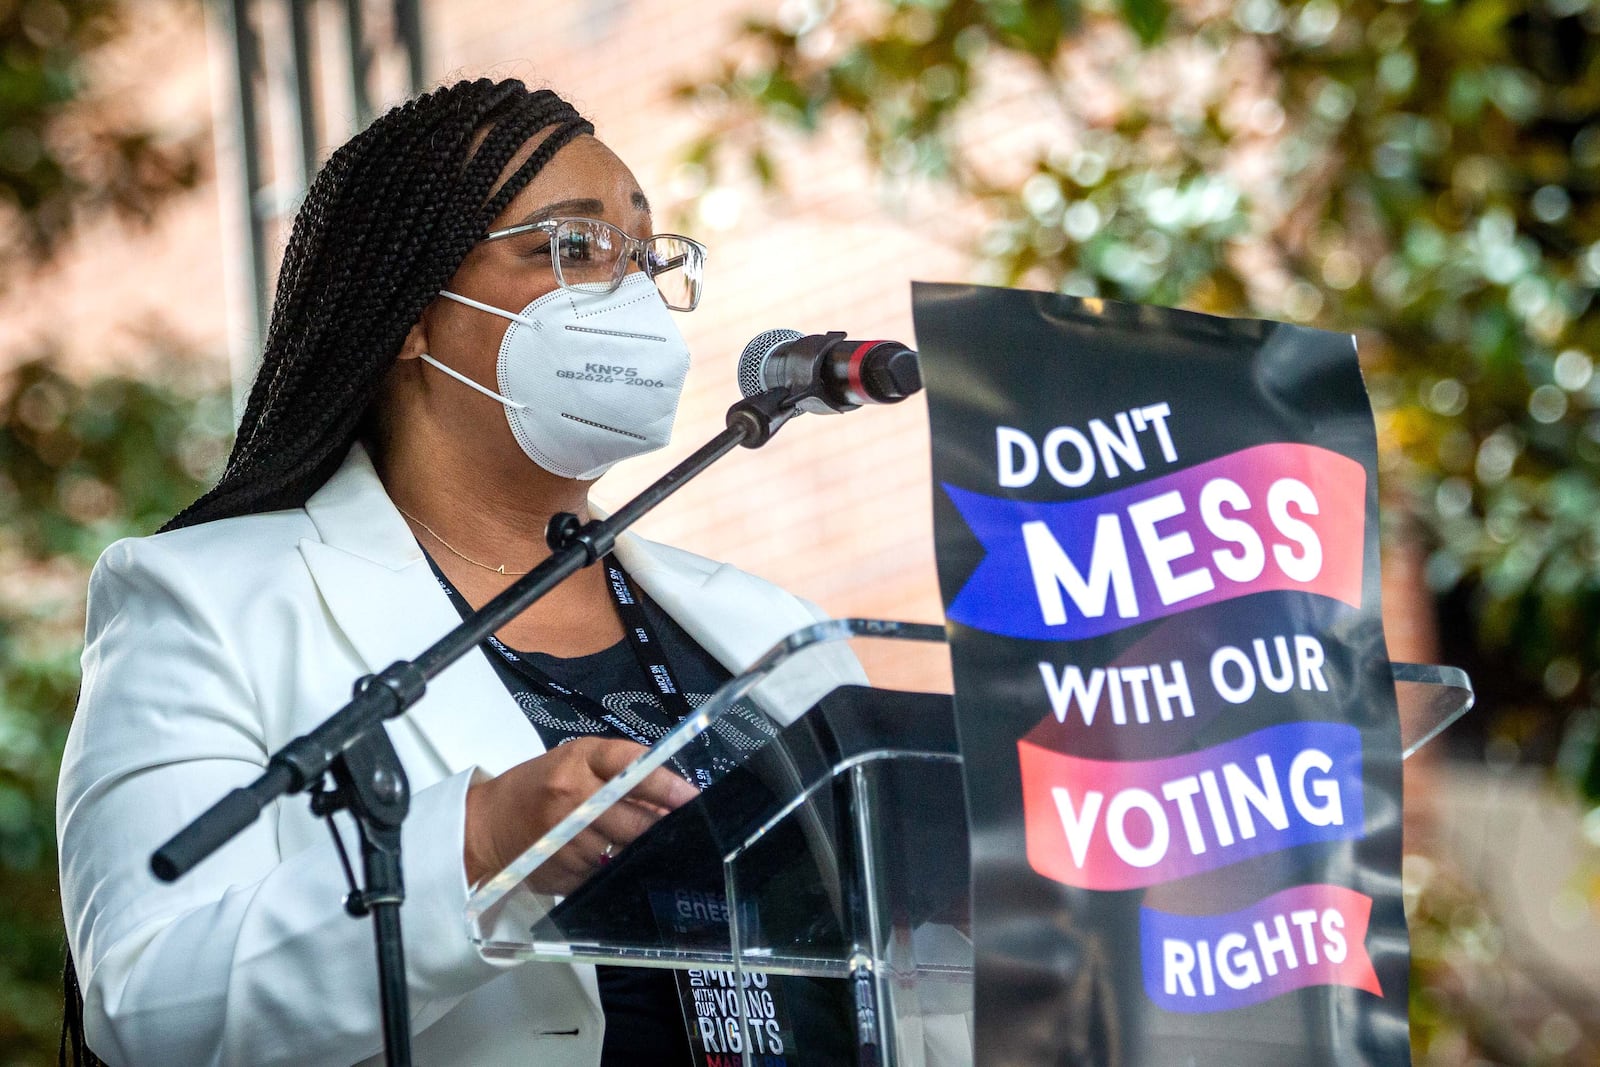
(385,224)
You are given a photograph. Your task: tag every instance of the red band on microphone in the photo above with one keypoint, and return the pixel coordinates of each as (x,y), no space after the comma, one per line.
(858,391)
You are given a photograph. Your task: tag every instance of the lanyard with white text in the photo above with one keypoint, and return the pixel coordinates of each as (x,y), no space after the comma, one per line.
(647,649)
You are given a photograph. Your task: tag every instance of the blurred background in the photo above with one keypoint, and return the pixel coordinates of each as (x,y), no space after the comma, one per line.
(1423,173)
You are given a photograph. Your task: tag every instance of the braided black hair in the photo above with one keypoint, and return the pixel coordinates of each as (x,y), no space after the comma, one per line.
(384,226)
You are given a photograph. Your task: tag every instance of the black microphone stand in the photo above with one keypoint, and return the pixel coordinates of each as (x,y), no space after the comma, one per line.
(352,746)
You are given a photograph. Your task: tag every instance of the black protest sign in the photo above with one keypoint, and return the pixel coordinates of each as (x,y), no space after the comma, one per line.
(1158,551)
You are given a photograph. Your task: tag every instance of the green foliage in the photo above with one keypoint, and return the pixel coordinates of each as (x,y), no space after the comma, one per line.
(64,151)
(1464,959)
(80,466)
(1423,172)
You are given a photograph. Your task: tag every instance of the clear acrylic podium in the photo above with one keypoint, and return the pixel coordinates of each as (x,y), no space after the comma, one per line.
(838,851)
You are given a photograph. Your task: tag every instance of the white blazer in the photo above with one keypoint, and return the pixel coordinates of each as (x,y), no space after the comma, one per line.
(206,650)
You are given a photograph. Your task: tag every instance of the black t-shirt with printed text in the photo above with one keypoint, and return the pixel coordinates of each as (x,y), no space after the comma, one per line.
(644,1019)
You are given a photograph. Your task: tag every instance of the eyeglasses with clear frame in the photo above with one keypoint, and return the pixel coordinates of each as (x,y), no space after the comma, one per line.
(592,256)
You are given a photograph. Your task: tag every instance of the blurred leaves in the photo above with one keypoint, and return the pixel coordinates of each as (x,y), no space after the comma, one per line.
(1424,174)
(81,464)
(68,152)
(1482,989)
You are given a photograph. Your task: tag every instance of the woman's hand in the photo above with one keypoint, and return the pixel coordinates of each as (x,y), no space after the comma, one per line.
(506,815)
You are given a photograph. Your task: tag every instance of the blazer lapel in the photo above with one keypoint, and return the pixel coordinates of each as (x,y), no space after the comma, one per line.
(382,594)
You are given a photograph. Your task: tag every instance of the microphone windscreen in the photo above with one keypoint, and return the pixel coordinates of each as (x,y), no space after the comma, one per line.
(755,357)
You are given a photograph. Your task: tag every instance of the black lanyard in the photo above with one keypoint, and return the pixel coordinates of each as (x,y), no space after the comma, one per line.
(641,636)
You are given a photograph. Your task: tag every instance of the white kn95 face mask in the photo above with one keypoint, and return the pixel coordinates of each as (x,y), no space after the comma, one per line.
(587,379)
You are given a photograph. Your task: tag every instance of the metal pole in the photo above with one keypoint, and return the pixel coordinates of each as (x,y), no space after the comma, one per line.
(360,62)
(305,99)
(245,55)
(408,24)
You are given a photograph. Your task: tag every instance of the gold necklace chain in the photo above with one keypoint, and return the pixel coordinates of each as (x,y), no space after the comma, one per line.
(453,549)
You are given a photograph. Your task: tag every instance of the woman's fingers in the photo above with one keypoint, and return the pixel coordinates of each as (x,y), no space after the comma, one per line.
(506,815)
(623,822)
(572,865)
(661,787)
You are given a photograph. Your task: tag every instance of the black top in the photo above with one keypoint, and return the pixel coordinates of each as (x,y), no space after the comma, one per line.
(644,1020)
(614,678)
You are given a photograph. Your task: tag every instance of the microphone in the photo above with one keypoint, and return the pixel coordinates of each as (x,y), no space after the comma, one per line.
(829,372)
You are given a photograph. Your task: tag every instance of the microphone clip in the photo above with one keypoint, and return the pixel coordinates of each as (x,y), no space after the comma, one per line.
(806,359)
(761,415)
(565,529)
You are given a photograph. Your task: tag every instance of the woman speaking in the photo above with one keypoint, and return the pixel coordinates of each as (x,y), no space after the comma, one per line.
(471,325)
